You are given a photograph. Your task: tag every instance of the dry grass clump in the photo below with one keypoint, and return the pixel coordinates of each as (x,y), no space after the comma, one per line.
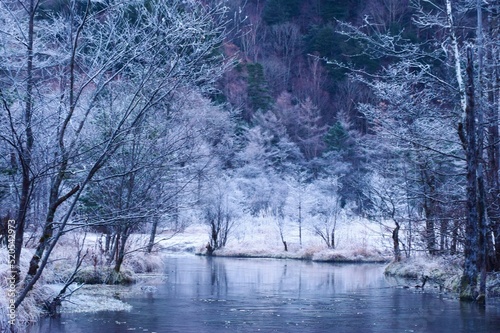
(96,270)
(31,309)
(4,299)
(311,251)
(140,262)
(95,267)
(351,254)
(242,253)
(102,275)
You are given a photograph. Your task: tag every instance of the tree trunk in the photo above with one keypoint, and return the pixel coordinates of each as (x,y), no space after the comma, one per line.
(429,209)
(214,240)
(468,286)
(481,198)
(332,239)
(395,240)
(443,235)
(120,253)
(300,221)
(107,242)
(48,229)
(454,237)
(152,235)
(283,237)
(493,138)
(25,153)
(114,245)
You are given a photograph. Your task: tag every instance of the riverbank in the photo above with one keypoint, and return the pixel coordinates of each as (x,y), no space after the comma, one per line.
(355,243)
(441,271)
(86,297)
(444,271)
(310,253)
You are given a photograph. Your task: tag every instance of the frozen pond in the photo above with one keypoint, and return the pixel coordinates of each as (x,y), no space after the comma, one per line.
(264,295)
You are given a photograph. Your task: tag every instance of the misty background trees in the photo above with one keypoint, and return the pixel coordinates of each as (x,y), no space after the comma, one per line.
(140,117)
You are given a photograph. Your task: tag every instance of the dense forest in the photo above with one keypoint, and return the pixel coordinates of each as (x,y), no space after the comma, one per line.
(141,116)
(396,102)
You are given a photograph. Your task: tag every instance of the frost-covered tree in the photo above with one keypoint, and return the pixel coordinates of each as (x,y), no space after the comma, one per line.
(155,174)
(276,207)
(268,145)
(327,211)
(220,209)
(303,124)
(430,90)
(423,138)
(69,69)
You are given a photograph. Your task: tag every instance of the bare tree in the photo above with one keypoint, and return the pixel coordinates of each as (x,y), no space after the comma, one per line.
(286,42)
(327,210)
(278,198)
(219,211)
(253,33)
(93,66)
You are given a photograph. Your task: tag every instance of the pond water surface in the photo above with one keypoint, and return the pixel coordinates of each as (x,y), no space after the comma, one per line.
(209,295)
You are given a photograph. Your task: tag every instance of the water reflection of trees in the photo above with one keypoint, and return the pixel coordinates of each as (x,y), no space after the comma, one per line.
(221,278)
(218,278)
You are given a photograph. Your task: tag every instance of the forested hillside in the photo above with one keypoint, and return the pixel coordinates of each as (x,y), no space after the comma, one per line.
(140,117)
(395,100)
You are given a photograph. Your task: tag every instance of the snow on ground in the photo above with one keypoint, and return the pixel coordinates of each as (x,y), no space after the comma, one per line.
(358,240)
(92,298)
(444,271)
(191,240)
